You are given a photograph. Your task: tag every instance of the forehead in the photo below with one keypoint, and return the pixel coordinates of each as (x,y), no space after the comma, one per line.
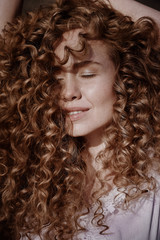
(69,39)
(96,49)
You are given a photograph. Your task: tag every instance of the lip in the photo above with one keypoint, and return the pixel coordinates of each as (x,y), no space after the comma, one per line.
(76,113)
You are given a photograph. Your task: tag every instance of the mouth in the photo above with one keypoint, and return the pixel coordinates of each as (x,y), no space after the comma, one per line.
(76,115)
(74,112)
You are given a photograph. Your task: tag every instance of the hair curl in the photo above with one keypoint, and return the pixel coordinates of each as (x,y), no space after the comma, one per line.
(42,173)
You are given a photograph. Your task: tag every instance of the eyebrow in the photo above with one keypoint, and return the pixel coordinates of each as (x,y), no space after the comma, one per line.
(76,65)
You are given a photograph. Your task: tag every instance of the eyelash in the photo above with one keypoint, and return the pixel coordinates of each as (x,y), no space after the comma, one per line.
(59,79)
(90,75)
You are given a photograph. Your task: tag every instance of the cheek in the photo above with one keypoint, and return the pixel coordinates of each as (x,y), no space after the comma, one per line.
(101,95)
(108,97)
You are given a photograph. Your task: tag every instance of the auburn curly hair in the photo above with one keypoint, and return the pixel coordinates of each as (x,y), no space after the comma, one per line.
(42,171)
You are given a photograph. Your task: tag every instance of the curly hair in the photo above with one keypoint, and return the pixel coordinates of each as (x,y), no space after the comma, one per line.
(42,172)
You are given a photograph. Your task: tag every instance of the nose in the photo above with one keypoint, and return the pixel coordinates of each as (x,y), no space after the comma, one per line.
(71,89)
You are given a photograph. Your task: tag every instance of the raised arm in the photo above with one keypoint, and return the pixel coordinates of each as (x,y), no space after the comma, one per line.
(135,9)
(8,10)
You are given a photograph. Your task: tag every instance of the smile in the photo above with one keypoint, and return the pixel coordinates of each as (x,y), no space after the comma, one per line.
(77,115)
(75,112)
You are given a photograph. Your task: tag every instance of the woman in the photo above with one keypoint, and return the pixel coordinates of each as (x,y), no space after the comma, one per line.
(80,108)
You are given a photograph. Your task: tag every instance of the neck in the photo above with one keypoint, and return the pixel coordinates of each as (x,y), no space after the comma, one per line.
(94,144)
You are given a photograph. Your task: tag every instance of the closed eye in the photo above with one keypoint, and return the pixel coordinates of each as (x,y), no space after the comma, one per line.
(59,78)
(88,75)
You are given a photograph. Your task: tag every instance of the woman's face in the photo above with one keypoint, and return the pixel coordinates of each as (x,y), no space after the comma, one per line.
(87,87)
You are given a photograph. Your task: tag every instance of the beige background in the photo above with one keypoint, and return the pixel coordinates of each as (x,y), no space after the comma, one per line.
(29,5)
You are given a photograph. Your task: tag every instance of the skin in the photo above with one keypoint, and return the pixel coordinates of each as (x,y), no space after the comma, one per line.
(87,89)
(8,10)
(135,9)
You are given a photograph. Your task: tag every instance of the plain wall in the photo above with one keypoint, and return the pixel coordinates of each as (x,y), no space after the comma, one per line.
(32,4)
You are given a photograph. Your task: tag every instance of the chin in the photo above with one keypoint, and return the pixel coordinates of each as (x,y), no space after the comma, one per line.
(78,132)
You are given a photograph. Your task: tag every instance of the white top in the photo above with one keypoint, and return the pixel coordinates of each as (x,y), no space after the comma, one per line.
(141,221)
